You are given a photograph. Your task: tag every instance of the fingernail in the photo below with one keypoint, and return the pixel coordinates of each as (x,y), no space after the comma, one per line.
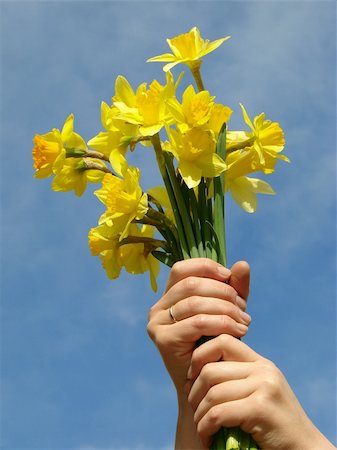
(240,302)
(246,319)
(242,328)
(223,271)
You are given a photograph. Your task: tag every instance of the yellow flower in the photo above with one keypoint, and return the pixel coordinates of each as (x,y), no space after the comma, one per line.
(219,115)
(187,48)
(147,107)
(76,173)
(114,142)
(244,189)
(243,162)
(195,153)
(103,244)
(194,111)
(268,136)
(137,257)
(49,149)
(124,200)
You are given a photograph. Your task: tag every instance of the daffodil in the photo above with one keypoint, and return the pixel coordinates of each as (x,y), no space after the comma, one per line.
(76,173)
(195,153)
(147,106)
(268,137)
(194,111)
(124,200)
(219,115)
(244,189)
(187,48)
(137,257)
(114,142)
(49,150)
(104,244)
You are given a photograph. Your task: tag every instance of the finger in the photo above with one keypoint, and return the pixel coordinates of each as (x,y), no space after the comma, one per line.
(198,267)
(230,414)
(240,278)
(224,347)
(195,286)
(193,328)
(223,393)
(201,305)
(215,373)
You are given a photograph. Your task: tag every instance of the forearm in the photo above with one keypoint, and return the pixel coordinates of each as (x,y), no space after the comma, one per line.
(186,434)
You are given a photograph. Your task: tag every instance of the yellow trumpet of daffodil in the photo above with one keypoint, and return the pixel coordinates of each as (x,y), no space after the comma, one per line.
(147,106)
(49,149)
(187,48)
(195,153)
(268,137)
(124,200)
(219,115)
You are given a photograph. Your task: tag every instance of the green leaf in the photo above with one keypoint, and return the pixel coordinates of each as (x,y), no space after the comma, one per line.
(165,258)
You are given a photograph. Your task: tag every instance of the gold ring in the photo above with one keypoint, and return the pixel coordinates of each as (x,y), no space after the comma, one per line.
(172,315)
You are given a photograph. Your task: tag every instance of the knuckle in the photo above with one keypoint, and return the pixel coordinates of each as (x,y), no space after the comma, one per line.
(199,321)
(193,303)
(207,264)
(211,396)
(176,268)
(214,415)
(206,373)
(224,340)
(150,330)
(190,284)
(151,313)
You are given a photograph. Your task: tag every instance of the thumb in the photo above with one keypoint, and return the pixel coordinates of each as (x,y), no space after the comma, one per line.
(240,277)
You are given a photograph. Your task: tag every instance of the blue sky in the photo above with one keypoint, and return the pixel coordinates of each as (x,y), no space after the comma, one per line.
(78,370)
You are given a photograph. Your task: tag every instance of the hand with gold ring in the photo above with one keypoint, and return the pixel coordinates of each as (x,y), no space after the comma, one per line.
(202,298)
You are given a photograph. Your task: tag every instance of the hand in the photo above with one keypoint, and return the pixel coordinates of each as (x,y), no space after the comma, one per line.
(206,300)
(231,385)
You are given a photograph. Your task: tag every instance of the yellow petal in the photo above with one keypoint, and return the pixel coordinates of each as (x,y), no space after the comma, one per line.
(124,92)
(191,173)
(211,165)
(67,128)
(246,117)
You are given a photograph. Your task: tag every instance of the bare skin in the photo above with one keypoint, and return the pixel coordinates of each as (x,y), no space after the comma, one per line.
(207,300)
(231,385)
(223,382)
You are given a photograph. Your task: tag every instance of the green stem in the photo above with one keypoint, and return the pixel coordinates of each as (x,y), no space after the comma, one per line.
(219,200)
(163,170)
(168,230)
(191,198)
(203,211)
(197,78)
(182,207)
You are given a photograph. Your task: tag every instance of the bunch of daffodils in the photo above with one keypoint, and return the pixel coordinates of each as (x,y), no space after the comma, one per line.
(199,157)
